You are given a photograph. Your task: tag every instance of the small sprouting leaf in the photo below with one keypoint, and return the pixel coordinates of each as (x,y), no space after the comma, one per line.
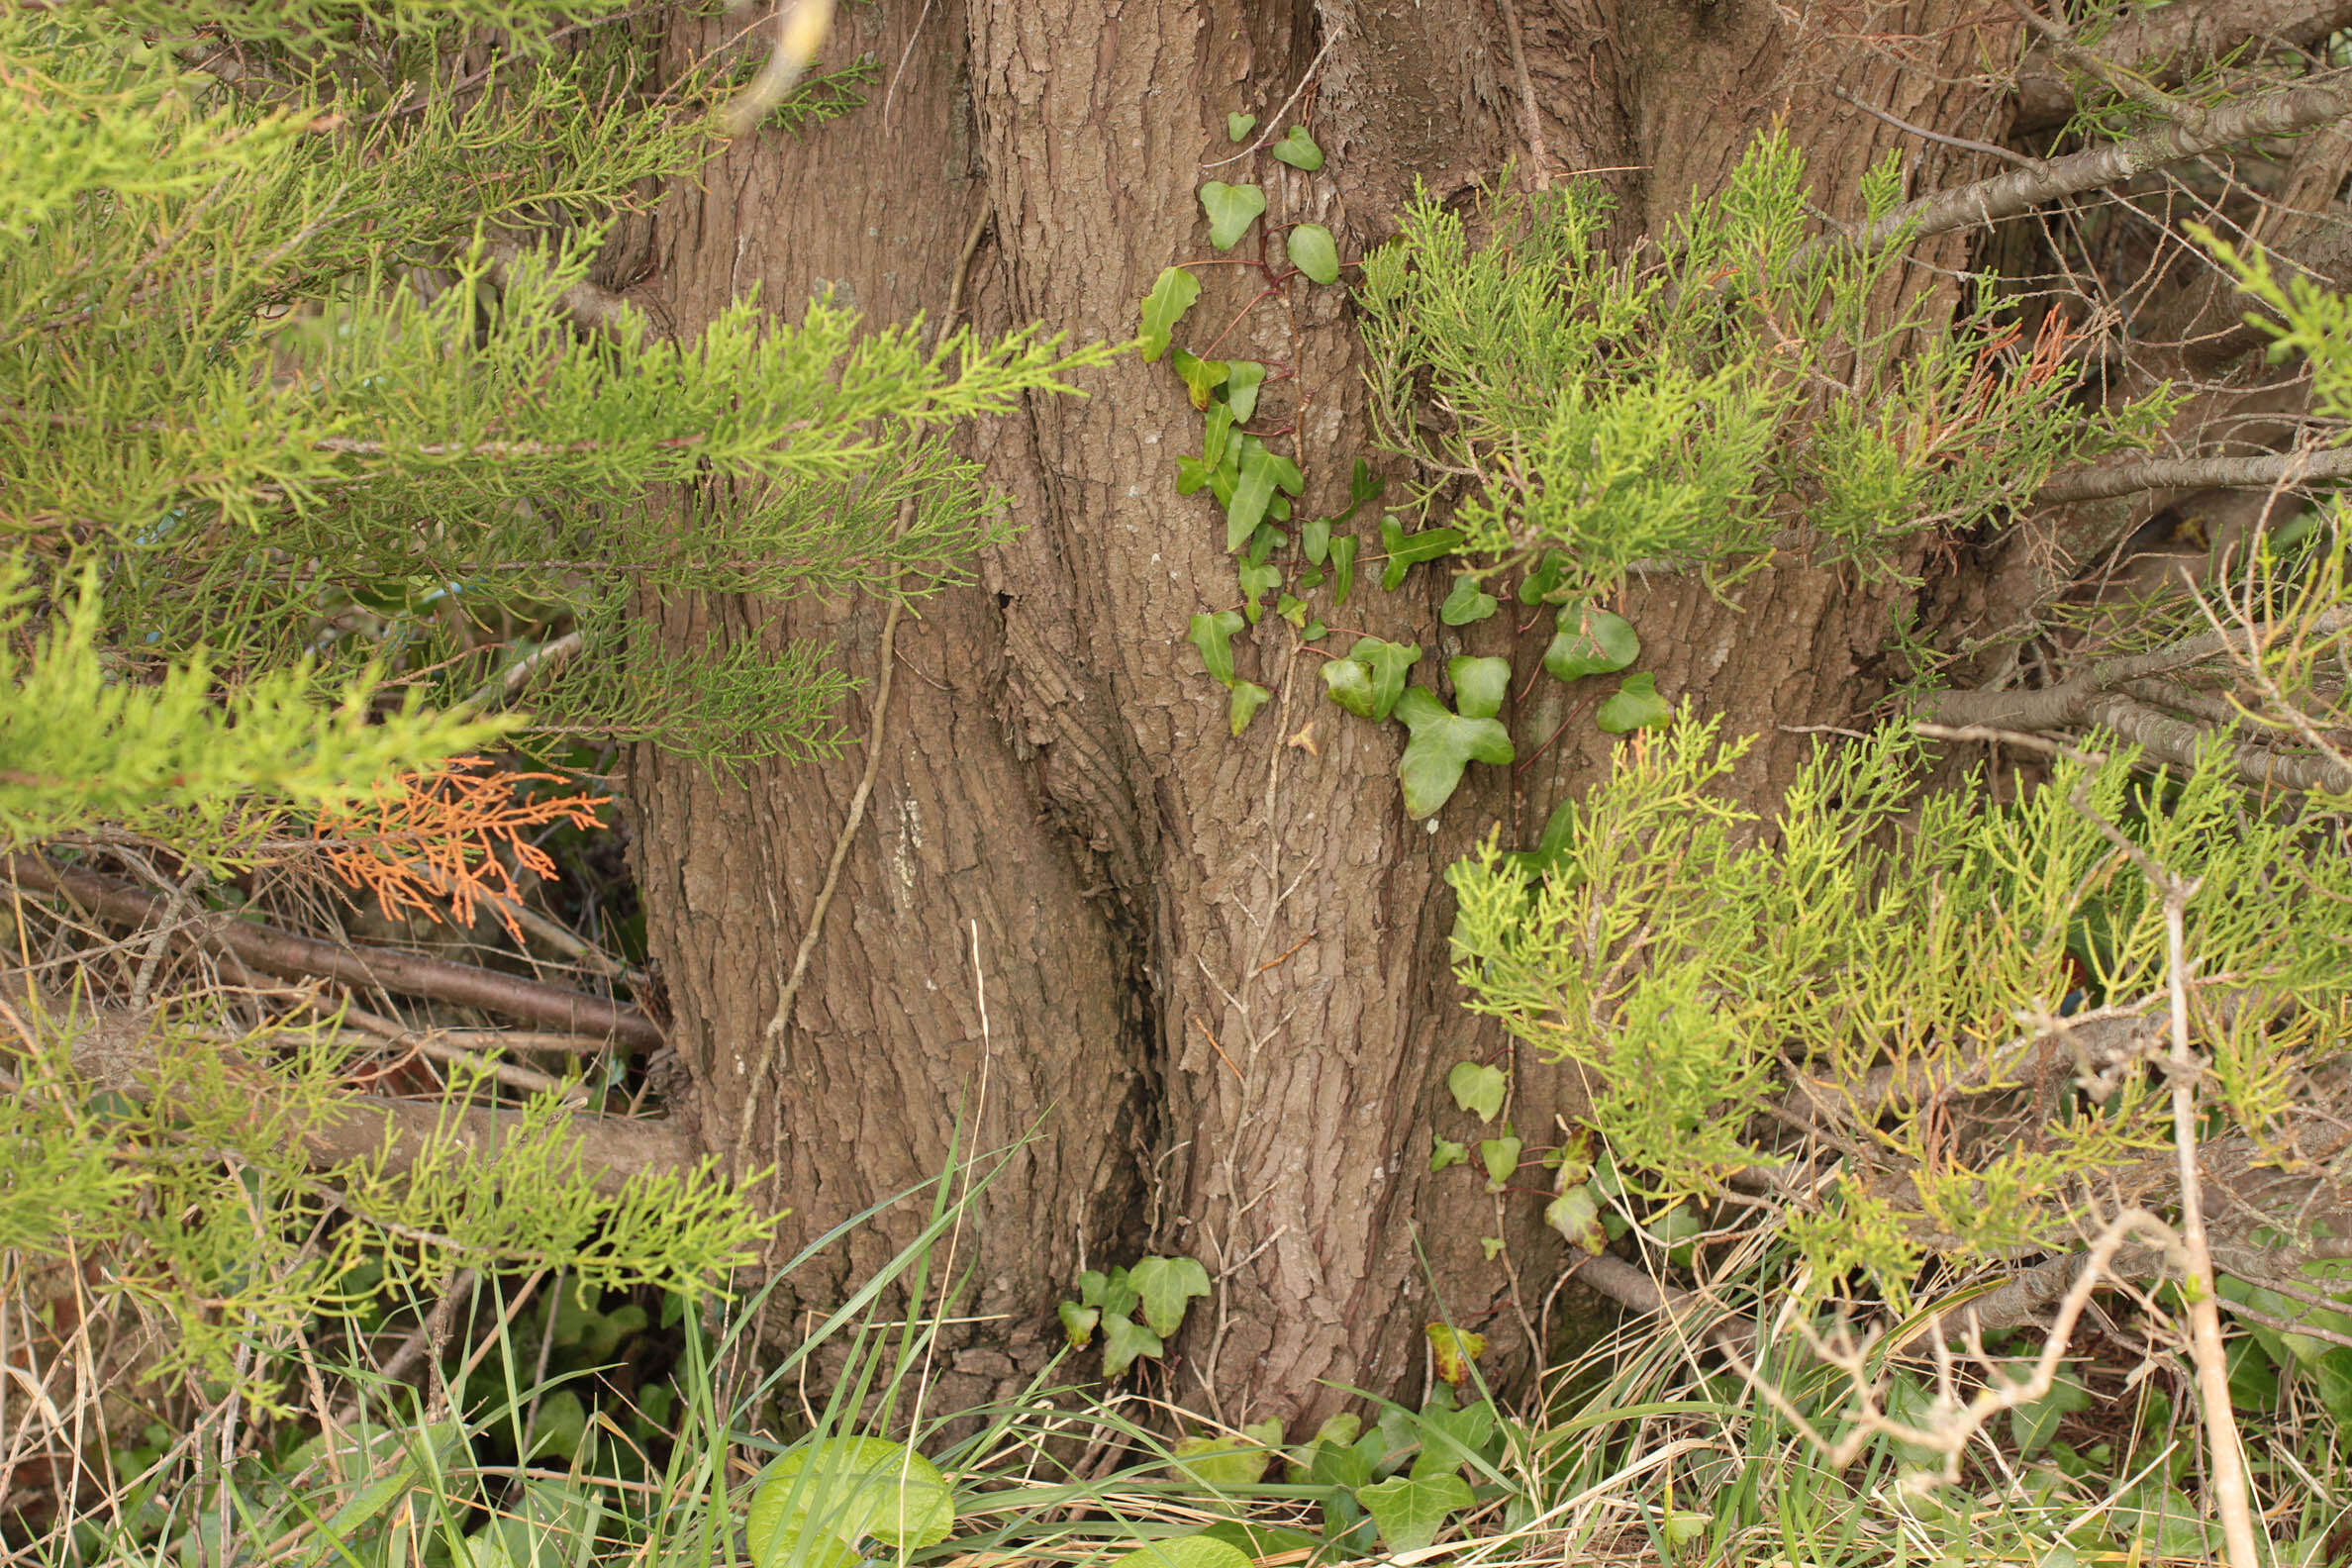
(1124,1340)
(1238,126)
(1314,538)
(1467,603)
(1247,698)
(1576,1215)
(1454,1349)
(1476,1089)
(1298,150)
(1079,1322)
(1257,582)
(1290,607)
(1480,685)
(1213,635)
(1635,705)
(1170,297)
(1363,485)
(1230,209)
(1313,252)
(1492,1246)
(1166,1284)
(1371,678)
(1589,641)
(1443,744)
(1344,556)
(1243,377)
(1500,1156)
(1408,550)
(1409,1512)
(1445,1151)
(1200,376)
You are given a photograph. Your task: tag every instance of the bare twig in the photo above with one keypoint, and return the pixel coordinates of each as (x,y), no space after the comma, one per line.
(2122,476)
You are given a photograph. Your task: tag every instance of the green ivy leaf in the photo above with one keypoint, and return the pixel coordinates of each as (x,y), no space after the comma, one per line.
(1576,1215)
(1243,377)
(1230,209)
(1290,607)
(1467,603)
(1216,431)
(842,1490)
(1313,252)
(1343,560)
(1198,1550)
(1238,126)
(1165,1285)
(1092,1286)
(1123,1341)
(1230,1461)
(1480,685)
(1164,307)
(1314,540)
(1476,1089)
(1408,550)
(1538,585)
(1492,1246)
(1263,543)
(1443,744)
(1369,681)
(1298,150)
(1287,475)
(1409,1512)
(1190,474)
(1451,1439)
(1501,1158)
(1363,485)
(2033,1423)
(1445,1152)
(1257,582)
(1635,705)
(1202,377)
(1247,698)
(1119,1297)
(1255,488)
(1213,635)
(1589,641)
(1079,1322)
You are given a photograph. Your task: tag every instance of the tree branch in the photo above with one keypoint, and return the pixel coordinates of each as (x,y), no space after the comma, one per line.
(2122,476)
(2165,42)
(282,953)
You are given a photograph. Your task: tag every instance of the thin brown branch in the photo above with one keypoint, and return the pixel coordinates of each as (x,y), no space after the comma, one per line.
(2122,476)
(2166,44)
(283,953)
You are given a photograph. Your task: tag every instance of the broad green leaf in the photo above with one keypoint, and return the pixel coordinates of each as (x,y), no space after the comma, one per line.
(1230,209)
(1476,1089)
(561,1427)
(1409,1512)
(1314,540)
(1166,1284)
(1313,252)
(1242,706)
(1635,705)
(1256,1540)
(1451,1439)
(837,1491)
(1290,607)
(1445,1152)
(1225,1461)
(1243,377)
(1190,474)
(1501,1157)
(1408,550)
(1538,584)
(1170,297)
(1287,475)
(1453,1351)
(1093,1285)
(1213,635)
(1480,685)
(1216,429)
(1576,1215)
(1298,150)
(1202,377)
(1238,126)
(1343,1428)
(1589,641)
(1124,1340)
(1079,1322)
(1369,681)
(1186,1552)
(1443,744)
(1258,579)
(2033,1423)
(1343,560)
(1467,603)
(1247,509)
(1363,485)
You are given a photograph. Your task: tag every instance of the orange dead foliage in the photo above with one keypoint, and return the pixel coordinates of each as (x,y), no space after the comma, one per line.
(434,839)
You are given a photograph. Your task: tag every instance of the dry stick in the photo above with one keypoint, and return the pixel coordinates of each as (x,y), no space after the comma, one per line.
(2122,476)
(1528,113)
(772,1037)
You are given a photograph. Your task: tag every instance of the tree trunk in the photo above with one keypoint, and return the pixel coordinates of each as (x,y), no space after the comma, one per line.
(1219,1000)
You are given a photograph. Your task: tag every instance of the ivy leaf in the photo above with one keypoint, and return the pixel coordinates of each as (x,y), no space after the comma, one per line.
(1166,1284)
(1213,635)
(1454,1349)
(1238,126)
(1451,1439)
(1635,705)
(1313,252)
(1538,584)
(844,1489)
(1200,376)
(1298,150)
(1480,685)
(1243,377)
(1443,743)
(1248,697)
(1371,678)
(1265,542)
(1576,1215)
(1290,607)
(1092,1286)
(1589,641)
(1476,1089)
(1344,556)
(1408,550)
(1123,1340)
(1164,307)
(1230,1461)
(1251,492)
(1190,474)
(1287,475)
(1079,1322)
(1445,1151)
(1197,1550)
(1363,485)
(1409,1512)
(1467,603)
(1501,1157)
(1314,538)
(1216,430)
(1230,209)
(1257,582)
